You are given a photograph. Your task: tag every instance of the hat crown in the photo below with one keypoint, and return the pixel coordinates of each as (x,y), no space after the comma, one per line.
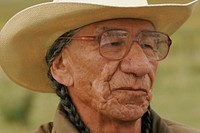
(122,3)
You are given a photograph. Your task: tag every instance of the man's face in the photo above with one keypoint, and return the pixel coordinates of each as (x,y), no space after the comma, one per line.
(119,89)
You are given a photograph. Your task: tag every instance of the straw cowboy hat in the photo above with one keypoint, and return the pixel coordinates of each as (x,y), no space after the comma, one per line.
(26,37)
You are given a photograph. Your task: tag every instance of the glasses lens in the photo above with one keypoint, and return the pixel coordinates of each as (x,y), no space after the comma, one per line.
(155,44)
(112,44)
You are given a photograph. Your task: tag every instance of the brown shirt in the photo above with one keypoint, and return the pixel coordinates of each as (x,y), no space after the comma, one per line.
(62,125)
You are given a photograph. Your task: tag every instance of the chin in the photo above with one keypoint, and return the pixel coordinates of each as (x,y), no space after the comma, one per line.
(128,112)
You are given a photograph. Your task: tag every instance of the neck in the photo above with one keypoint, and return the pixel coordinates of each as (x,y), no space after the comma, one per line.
(99,123)
(113,126)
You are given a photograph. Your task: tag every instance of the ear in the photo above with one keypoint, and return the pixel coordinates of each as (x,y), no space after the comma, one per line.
(60,71)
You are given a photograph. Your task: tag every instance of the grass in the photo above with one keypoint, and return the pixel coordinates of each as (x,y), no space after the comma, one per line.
(176,90)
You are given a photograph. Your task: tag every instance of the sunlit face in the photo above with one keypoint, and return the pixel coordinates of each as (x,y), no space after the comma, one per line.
(118,89)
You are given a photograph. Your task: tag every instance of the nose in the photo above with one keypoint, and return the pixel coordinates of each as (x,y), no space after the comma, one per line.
(136,62)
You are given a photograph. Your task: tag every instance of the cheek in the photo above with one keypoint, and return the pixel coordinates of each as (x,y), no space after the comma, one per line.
(95,88)
(89,73)
(82,63)
(83,68)
(86,71)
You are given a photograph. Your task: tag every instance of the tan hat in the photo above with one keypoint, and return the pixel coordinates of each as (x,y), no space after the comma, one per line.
(26,37)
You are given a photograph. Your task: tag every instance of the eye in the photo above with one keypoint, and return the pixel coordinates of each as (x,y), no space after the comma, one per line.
(112,41)
(146,46)
(116,43)
(113,45)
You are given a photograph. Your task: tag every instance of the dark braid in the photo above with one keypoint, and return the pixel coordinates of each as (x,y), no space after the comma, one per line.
(60,89)
(147,122)
(70,109)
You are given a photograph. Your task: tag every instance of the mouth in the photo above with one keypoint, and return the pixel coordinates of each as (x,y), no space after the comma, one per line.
(141,90)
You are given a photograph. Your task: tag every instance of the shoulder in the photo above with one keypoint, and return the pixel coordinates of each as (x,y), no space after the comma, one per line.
(180,128)
(168,126)
(45,128)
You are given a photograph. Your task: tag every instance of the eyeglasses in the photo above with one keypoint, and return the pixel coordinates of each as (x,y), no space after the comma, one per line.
(115,44)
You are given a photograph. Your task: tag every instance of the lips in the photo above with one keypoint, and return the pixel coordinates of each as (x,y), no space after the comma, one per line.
(130,89)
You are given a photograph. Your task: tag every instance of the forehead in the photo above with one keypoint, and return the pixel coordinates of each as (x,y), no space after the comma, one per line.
(129,24)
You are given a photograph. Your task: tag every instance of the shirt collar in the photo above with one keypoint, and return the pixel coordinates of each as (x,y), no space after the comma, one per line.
(63,125)
(159,125)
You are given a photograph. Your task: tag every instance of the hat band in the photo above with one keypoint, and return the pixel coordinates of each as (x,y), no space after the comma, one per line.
(121,3)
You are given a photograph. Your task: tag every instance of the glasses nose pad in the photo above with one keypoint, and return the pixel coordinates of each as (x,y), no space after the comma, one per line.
(130,43)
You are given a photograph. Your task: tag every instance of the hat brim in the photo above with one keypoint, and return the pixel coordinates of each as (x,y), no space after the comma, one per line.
(26,37)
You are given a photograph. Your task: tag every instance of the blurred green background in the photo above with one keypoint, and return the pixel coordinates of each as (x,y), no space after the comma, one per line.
(176,90)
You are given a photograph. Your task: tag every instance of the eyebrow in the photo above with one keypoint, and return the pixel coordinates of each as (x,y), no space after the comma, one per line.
(101,29)
(108,28)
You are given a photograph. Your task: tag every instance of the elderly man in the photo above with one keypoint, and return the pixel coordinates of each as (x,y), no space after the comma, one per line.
(102,65)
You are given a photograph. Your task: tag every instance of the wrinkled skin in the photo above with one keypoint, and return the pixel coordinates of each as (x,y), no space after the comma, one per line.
(107,93)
